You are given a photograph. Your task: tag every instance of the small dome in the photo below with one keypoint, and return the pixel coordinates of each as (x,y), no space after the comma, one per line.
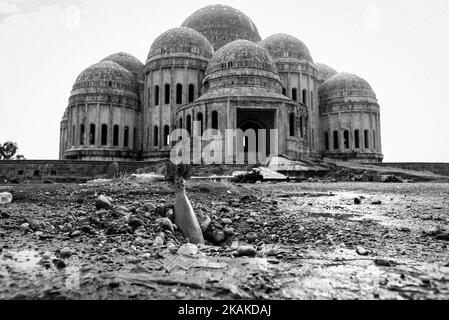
(324,71)
(286,46)
(241,53)
(181,40)
(350,83)
(222,24)
(127,61)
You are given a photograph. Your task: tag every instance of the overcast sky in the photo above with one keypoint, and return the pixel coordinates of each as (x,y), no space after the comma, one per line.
(400,47)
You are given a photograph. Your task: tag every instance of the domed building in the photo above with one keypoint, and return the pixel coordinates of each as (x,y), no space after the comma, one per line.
(215,77)
(350,119)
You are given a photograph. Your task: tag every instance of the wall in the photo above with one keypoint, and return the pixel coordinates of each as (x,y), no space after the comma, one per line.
(435,167)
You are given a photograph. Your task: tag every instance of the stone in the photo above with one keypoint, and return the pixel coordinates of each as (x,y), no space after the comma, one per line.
(65,253)
(166,224)
(251,221)
(219,237)
(228,231)
(251,236)
(135,222)
(160,211)
(246,250)
(5,198)
(362,251)
(148,206)
(75,233)
(224,210)
(357,201)
(226,221)
(378,202)
(103,202)
(59,263)
(189,249)
(46,255)
(158,241)
(170,214)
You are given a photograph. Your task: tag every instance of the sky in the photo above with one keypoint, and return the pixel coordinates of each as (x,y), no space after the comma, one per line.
(400,47)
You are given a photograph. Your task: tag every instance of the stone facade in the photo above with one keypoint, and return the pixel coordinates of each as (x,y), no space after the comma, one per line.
(216,70)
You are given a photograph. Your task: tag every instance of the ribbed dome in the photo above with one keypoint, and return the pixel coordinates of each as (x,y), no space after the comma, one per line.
(324,71)
(106,74)
(181,40)
(127,61)
(350,83)
(286,46)
(222,24)
(241,53)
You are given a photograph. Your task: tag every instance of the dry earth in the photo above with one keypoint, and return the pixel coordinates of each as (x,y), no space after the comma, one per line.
(313,242)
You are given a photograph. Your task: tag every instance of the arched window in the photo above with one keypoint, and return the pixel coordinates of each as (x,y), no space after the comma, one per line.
(336,142)
(166,135)
(126,137)
(189,124)
(104,134)
(191,92)
(214,119)
(311,100)
(284,91)
(179,93)
(92,134)
(292,124)
(156,136)
(295,94)
(199,118)
(304,96)
(135,138)
(346,139)
(82,134)
(366,138)
(167,94)
(374,139)
(73,135)
(180,123)
(301,127)
(156,95)
(148,137)
(326,140)
(356,139)
(115,135)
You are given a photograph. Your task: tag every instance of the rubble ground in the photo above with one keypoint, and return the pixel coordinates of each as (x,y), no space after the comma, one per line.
(277,241)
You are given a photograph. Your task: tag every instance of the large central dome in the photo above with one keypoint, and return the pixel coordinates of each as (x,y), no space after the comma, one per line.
(222,24)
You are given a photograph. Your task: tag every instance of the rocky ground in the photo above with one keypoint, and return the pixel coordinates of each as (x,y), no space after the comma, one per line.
(265,241)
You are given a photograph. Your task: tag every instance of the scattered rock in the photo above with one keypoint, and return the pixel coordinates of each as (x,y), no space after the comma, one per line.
(229,231)
(362,251)
(135,222)
(357,201)
(170,214)
(378,202)
(46,255)
(384,262)
(189,249)
(246,250)
(158,241)
(5,198)
(148,207)
(59,263)
(226,221)
(166,224)
(160,211)
(103,202)
(75,233)
(251,236)
(65,253)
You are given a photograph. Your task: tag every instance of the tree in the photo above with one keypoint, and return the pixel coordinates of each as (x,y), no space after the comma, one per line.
(8,150)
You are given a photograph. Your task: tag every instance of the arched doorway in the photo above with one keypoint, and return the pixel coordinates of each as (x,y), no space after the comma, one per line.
(250,140)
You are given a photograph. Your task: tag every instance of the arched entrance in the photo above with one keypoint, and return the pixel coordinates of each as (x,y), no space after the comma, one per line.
(252,147)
